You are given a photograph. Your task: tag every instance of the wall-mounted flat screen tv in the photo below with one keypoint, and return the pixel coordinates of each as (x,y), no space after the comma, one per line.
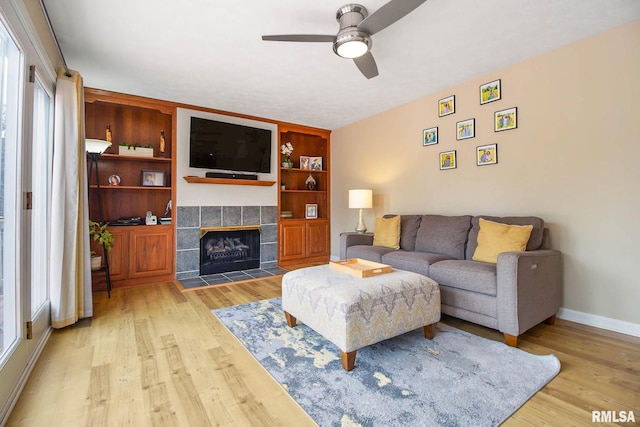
(229,147)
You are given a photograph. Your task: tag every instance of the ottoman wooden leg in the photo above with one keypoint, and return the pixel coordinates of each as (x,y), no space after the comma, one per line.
(291,321)
(348,359)
(430,331)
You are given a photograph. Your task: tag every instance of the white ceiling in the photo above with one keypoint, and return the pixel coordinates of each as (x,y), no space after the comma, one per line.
(209,52)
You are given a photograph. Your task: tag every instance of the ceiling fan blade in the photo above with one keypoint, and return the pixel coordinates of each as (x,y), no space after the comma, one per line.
(367,65)
(300,38)
(387,15)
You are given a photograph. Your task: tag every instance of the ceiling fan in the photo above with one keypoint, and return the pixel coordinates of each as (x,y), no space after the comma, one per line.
(353,40)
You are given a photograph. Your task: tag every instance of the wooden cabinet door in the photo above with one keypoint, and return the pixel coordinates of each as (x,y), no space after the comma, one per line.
(317,238)
(292,240)
(119,254)
(150,251)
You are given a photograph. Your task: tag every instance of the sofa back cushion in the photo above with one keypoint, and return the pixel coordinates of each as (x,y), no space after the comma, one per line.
(408,231)
(409,225)
(535,240)
(445,235)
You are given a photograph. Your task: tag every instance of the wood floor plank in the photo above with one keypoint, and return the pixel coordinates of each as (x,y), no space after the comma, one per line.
(156,356)
(183,384)
(160,411)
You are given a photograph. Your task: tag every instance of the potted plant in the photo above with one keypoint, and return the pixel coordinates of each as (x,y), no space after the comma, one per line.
(287,149)
(135,150)
(100,234)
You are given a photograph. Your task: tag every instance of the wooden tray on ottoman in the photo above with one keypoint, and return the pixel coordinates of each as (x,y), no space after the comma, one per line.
(360,267)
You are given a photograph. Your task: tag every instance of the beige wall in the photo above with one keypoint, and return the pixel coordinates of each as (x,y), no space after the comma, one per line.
(574,160)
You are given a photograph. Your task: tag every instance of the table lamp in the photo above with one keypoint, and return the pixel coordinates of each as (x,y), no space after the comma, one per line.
(360,199)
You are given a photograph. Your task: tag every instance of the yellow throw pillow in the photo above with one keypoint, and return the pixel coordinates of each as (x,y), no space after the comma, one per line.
(387,232)
(495,238)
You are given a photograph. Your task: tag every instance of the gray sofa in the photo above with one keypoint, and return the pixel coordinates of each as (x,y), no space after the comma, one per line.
(520,291)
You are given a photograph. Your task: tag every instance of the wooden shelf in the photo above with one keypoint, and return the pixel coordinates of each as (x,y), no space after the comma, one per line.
(227,181)
(140,254)
(302,170)
(129,187)
(302,191)
(295,218)
(135,158)
(304,240)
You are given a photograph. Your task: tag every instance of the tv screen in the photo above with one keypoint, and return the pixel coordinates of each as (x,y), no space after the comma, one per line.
(229,147)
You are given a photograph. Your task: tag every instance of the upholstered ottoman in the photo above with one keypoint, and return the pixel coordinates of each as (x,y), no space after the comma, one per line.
(354,312)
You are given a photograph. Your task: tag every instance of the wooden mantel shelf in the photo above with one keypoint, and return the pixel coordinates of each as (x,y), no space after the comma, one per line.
(227,181)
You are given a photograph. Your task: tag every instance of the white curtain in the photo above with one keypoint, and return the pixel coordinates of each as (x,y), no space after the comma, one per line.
(70,286)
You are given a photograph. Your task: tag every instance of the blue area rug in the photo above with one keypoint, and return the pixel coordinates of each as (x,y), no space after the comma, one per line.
(456,379)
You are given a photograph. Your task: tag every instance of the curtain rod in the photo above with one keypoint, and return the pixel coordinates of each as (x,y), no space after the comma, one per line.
(55,39)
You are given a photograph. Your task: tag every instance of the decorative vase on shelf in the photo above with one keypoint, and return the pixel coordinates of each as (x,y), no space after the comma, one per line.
(311,183)
(287,164)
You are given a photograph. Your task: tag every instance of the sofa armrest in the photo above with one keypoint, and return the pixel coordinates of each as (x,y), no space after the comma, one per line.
(353,239)
(529,288)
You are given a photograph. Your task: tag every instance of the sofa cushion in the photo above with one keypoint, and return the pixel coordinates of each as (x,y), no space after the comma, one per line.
(535,240)
(408,231)
(468,275)
(495,238)
(387,232)
(418,262)
(446,235)
(368,252)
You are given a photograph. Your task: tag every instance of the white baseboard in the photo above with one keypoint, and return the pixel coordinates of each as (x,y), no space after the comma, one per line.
(594,320)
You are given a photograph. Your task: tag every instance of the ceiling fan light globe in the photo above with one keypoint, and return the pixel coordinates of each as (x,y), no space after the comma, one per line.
(352,49)
(351,43)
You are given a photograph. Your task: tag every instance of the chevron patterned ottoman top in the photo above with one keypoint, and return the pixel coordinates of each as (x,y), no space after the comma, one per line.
(354,312)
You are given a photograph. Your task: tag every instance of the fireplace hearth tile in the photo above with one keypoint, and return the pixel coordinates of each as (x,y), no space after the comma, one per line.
(237,275)
(230,277)
(218,281)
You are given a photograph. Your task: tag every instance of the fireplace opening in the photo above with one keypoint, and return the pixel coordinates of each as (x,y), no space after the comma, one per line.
(224,249)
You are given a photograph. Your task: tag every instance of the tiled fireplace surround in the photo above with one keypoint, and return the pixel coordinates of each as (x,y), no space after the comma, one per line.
(189,219)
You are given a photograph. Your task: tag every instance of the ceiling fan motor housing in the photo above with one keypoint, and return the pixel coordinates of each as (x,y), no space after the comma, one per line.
(349,17)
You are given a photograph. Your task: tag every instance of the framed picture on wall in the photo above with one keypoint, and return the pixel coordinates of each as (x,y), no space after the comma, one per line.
(447,106)
(506,119)
(487,154)
(311,211)
(490,92)
(430,136)
(466,129)
(448,160)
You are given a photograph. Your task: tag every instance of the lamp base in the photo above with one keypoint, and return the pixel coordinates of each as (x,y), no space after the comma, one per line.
(360,227)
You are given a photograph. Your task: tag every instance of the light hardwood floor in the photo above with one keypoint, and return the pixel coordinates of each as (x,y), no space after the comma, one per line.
(154,356)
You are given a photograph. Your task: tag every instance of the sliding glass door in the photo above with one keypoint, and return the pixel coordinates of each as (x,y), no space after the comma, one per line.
(26,94)
(13,351)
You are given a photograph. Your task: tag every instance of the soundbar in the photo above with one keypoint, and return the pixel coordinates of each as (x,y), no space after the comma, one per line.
(231,175)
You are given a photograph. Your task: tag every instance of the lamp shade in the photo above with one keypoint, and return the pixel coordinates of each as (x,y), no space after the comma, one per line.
(96,146)
(360,199)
